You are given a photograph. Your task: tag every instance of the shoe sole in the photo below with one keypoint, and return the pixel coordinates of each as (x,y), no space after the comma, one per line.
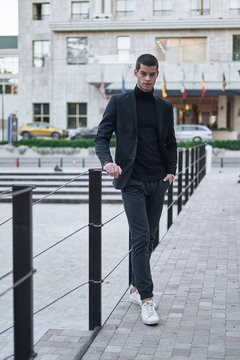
(150,322)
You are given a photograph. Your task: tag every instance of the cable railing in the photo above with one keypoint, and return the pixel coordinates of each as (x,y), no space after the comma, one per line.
(192,174)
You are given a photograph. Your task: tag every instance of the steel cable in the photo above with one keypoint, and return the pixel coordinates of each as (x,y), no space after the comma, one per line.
(62,296)
(44,197)
(5,275)
(24,278)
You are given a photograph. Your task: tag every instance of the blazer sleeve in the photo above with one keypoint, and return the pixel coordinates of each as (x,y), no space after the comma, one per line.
(171,146)
(105,130)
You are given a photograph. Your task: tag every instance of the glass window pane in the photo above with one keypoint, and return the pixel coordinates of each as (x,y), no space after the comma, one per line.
(193,49)
(8,89)
(196,4)
(45,10)
(37,118)
(123,42)
(72,109)
(77,50)
(37,109)
(72,123)
(1,89)
(172,50)
(46,109)
(82,121)
(46,119)
(82,109)
(75,8)
(120,5)
(236,47)
(130,5)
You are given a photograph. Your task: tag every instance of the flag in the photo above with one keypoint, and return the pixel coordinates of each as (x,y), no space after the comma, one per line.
(224,83)
(123,85)
(203,87)
(102,88)
(164,91)
(184,91)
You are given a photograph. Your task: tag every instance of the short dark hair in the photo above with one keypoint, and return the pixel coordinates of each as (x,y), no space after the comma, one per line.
(146,59)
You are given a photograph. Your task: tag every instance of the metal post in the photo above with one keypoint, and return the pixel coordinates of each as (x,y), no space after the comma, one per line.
(180,161)
(2,112)
(39,162)
(196,168)
(170,206)
(22,266)
(130,262)
(221,162)
(192,169)
(95,248)
(186,174)
(61,162)
(17,162)
(204,160)
(83,162)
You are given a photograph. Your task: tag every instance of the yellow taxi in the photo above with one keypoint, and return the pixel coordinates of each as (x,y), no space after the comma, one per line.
(41,129)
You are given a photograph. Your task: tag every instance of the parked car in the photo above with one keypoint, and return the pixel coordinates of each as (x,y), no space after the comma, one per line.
(85,133)
(41,129)
(192,132)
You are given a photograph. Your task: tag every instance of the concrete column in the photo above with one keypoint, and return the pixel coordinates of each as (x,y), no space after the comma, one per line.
(108,7)
(236,114)
(98,7)
(222,112)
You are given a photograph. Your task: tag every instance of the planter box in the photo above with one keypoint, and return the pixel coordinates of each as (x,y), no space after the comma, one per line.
(225,135)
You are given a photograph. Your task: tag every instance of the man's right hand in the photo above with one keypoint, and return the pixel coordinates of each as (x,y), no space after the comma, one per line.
(112,169)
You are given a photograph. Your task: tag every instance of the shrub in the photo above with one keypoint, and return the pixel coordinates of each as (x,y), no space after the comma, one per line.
(85,143)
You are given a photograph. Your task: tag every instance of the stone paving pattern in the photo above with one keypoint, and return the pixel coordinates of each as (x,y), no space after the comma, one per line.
(196,276)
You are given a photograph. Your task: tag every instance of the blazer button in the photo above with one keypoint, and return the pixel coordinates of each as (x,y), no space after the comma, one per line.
(133,158)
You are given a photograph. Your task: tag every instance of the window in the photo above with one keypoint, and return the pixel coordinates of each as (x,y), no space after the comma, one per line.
(200,7)
(8,65)
(162,7)
(125,7)
(181,49)
(76,115)
(234,8)
(123,48)
(41,112)
(236,47)
(80,10)
(41,11)
(9,89)
(77,50)
(41,53)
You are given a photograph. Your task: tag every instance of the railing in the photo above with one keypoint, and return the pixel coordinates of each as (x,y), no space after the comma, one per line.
(191,170)
(83,162)
(200,11)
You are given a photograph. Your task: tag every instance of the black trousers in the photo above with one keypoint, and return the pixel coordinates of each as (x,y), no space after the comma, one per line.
(143,203)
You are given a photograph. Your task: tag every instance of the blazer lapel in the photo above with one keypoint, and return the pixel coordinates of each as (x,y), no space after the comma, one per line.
(159,116)
(133,109)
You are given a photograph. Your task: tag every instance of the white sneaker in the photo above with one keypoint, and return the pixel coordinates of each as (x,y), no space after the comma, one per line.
(135,298)
(149,315)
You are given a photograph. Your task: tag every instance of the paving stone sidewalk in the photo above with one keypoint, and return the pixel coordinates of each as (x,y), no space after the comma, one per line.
(196,276)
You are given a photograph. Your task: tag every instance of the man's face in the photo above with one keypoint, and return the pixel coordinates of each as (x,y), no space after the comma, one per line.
(146,77)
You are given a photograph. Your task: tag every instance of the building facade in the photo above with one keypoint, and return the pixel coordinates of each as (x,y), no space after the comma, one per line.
(8,81)
(70,49)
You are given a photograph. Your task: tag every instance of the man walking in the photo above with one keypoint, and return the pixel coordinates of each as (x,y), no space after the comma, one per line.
(144,168)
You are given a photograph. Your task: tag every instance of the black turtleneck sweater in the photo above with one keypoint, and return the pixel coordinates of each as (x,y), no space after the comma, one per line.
(148,163)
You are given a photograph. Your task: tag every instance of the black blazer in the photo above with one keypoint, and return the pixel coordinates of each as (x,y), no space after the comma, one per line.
(120,116)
